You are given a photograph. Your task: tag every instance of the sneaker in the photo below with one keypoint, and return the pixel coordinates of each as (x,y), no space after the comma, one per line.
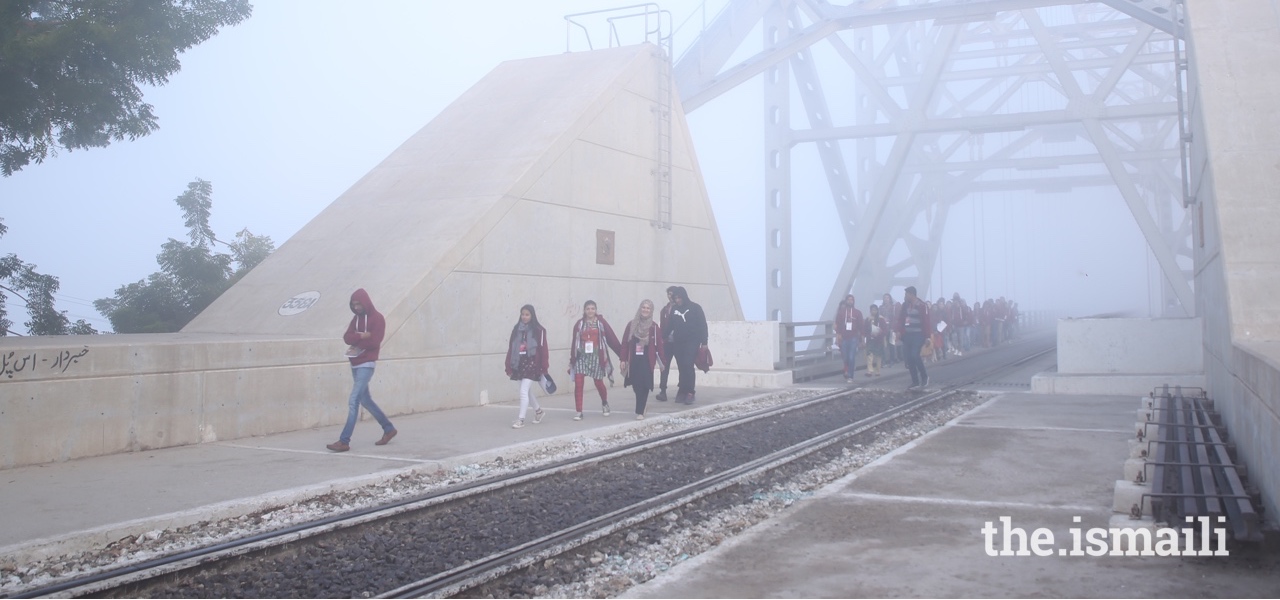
(537,415)
(914,385)
(338,446)
(662,396)
(578,417)
(386,437)
(605,410)
(639,417)
(518,424)
(926,382)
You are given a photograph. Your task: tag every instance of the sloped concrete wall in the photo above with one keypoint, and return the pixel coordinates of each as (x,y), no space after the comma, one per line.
(1235,171)
(494,204)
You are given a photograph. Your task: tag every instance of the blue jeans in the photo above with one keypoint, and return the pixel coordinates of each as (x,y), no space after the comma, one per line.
(912,343)
(849,350)
(360,396)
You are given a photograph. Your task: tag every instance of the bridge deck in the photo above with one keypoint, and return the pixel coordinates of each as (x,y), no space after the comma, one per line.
(908,525)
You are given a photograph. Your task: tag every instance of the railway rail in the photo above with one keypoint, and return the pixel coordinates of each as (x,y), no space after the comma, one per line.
(777,436)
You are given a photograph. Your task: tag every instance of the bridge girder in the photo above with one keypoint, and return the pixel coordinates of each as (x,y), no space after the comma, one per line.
(934,80)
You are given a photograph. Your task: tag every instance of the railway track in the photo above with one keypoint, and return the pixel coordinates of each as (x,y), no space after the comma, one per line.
(296,561)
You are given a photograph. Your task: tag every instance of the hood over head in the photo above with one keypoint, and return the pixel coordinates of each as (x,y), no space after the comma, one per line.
(363,297)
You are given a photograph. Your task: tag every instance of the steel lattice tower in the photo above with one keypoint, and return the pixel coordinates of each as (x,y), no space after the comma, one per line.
(932,106)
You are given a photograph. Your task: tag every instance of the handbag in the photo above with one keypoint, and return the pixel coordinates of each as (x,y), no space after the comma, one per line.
(548,384)
(703,361)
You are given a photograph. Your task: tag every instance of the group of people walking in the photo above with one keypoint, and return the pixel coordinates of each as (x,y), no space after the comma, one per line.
(679,332)
(914,331)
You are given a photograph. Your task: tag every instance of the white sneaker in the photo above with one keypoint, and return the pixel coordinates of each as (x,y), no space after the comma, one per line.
(606,409)
(578,418)
(518,424)
(639,417)
(537,415)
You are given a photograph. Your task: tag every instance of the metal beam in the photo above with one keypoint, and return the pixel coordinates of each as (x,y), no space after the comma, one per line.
(698,86)
(916,142)
(1156,13)
(989,123)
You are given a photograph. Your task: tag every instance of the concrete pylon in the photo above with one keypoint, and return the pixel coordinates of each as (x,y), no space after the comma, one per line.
(536,186)
(497,203)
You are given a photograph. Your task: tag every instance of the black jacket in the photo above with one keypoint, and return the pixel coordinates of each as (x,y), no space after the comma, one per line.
(688,322)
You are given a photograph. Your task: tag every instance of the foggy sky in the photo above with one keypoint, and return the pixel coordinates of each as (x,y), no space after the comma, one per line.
(287,110)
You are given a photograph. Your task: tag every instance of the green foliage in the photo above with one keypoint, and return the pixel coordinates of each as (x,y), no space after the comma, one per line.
(70,70)
(36,291)
(69,77)
(191,274)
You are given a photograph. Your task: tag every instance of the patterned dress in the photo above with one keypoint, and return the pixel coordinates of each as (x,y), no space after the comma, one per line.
(589,363)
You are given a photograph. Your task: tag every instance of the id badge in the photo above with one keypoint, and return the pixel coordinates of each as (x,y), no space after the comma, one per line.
(523,349)
(848,326)
(639,349)
(589,347)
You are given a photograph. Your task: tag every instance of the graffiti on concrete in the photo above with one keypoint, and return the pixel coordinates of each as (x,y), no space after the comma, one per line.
(11,363)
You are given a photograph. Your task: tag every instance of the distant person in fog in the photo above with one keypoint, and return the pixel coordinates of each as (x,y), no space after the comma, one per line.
(982,313)
(589,355)
(939,313)
(914,327)
(876,329)
(642,350)
(527,361)
(886,311)
(688,334)
(364,339)
(848,326)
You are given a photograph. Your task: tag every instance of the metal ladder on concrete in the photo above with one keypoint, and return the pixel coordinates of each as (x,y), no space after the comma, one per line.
(662,124)
(658,30)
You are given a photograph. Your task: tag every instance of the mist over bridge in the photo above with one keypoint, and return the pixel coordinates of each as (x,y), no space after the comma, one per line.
(1128,105)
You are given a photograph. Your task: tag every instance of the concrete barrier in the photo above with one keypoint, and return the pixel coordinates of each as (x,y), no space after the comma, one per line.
(745,353)
(1124,356)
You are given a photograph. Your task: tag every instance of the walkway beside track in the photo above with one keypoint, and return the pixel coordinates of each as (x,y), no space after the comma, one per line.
(910,524)
(95,501)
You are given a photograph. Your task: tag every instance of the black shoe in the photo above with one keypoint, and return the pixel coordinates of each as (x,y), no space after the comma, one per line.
(662,396)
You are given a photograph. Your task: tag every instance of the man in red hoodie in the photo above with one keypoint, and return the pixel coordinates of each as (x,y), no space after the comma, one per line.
(364,338)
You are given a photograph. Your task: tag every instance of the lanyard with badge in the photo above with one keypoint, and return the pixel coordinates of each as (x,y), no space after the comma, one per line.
(588,341)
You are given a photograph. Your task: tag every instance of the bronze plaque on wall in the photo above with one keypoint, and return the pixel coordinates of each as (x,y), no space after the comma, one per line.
(604,247)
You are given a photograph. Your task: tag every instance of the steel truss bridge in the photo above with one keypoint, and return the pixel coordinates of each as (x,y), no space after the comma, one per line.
(939,108)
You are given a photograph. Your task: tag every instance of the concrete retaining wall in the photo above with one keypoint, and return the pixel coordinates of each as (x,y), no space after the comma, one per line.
(745,353)
(1124,356)
(1233,83)
(1131,346)
(68,397)
(536,186)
